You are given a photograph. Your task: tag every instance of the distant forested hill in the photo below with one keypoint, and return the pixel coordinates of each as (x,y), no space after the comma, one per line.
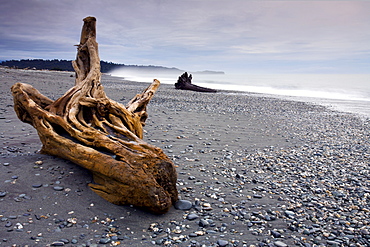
(55,64)
(66,65)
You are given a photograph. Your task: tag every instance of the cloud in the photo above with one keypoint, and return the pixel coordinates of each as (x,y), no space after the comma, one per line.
(191,34)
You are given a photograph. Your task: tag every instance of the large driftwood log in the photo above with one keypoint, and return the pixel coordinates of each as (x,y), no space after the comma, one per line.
(184,83)
(101,135)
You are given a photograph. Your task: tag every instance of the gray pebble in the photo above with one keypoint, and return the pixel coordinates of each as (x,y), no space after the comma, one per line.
(222,242)
(192,216)
(58,188)
(280,244)
(104,241)
(289,213)
(275,234)
(183,205)
(66,241)
(57,243)
(203,223)
(333,243)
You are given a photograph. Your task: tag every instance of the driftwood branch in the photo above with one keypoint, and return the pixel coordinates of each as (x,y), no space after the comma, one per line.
(101,135)
(184,83)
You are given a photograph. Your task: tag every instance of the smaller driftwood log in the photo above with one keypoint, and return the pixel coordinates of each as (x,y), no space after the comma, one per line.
(101,135)
(184,83)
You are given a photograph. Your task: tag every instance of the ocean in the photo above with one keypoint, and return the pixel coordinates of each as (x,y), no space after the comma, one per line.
(342,92)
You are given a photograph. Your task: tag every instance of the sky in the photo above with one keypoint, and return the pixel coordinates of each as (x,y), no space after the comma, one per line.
(234,36)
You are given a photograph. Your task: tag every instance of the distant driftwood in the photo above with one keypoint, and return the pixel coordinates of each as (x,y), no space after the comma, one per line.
(184,83)
(101,135)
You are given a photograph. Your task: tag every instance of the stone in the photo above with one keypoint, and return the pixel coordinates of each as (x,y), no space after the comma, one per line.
(192,216)
(104,241)
(275,234)
(57,243)
(58,188)
(203,223)
(183,205)
(289,213)
(280,244)
(222,243)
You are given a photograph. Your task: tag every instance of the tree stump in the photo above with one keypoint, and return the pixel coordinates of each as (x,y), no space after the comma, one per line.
(101,135)
(184,83)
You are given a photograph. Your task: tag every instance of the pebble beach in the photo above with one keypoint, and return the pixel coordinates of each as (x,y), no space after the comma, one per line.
(252,171)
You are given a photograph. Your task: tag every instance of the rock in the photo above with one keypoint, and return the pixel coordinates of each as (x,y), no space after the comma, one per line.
(57,243)
(275,234)
(203,223)
(64,240)
(183,205)
(192,216)
(211,232)
(58,188)
(200,233)
(104,241)
(280,244)
(333,243)
(222,242)
(289,213)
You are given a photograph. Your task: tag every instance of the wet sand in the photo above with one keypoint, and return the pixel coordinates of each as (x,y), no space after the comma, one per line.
(258,171)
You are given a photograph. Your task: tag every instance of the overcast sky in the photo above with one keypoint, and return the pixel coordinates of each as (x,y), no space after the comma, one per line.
(230,35)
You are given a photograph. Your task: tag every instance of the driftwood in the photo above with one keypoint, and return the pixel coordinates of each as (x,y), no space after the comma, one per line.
(184,83)
(101,135)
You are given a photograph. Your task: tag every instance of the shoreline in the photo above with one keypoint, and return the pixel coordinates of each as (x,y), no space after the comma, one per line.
(352,101)
(258,170)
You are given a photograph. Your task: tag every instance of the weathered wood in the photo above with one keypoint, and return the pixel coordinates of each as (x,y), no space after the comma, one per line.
(184,83)
(101,135)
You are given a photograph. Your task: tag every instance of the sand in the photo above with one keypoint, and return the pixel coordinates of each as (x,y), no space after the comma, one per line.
(258,171)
